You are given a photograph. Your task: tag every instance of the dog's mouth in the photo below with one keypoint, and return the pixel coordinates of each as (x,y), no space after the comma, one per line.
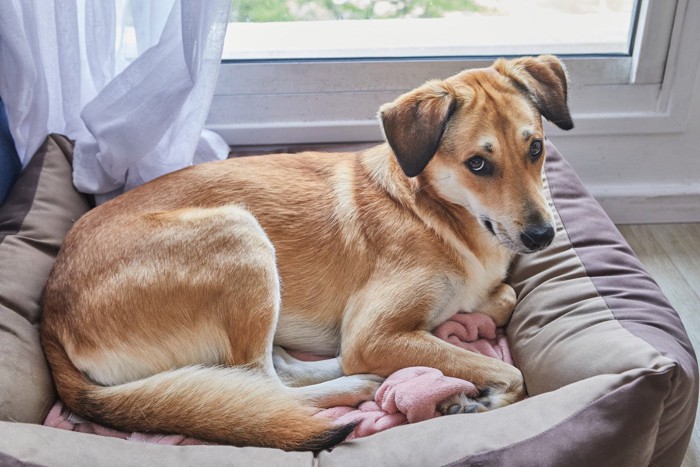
(526,244)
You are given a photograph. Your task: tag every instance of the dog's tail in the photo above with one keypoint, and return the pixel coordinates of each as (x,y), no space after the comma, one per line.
(235,406)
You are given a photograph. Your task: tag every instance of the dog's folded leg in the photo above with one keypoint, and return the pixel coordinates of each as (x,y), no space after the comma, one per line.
(373,343)
(346,390)
(501,384)
(295,372)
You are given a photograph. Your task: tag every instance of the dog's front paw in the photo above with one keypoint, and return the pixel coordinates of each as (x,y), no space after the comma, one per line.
(500,304)
(460,403)
(488,399)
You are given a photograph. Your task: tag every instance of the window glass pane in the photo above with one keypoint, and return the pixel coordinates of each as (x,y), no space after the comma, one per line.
(288,29)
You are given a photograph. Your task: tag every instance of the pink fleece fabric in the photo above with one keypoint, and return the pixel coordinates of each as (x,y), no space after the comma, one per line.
(476,332)
(409,395)
(61,417)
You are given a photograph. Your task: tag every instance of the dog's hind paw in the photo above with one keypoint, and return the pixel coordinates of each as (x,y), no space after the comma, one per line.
(487,400)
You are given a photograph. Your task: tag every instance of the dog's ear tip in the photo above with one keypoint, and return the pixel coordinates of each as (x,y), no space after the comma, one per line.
(410,172)
(566,124)
(381,113)
(549,57)
(410,164)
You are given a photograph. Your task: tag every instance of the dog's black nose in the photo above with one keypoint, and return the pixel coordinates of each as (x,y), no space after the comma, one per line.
(537,237)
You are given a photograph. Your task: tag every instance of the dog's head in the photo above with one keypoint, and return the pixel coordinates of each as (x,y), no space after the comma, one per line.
(477,139)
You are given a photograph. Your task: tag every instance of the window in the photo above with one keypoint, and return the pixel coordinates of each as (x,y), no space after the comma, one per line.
(292,92)
(315,29)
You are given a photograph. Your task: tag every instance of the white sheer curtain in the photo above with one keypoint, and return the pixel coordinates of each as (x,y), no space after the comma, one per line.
(131,81)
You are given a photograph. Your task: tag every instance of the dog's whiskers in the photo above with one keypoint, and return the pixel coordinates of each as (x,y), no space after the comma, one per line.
(500,242)
(432,183)
(498,231)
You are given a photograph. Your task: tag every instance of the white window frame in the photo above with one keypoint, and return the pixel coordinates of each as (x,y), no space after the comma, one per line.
(635,143)
(306,101)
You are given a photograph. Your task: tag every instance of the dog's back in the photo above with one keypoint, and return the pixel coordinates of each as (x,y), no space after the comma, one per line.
(138,328)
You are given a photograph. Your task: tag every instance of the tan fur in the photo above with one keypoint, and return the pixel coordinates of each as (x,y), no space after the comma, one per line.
(164,304)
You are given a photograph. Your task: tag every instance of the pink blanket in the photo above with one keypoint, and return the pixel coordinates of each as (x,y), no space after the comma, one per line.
(407,396)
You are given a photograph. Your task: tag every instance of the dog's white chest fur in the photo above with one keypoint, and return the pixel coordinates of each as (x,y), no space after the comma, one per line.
(466,294)
(465,297)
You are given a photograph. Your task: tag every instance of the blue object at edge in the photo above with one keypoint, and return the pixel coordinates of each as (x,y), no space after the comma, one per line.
(10,166)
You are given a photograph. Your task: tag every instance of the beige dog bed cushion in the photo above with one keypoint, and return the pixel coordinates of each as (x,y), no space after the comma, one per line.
(611,373)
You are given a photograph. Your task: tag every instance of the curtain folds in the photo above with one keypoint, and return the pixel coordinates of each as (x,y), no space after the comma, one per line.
(131,81)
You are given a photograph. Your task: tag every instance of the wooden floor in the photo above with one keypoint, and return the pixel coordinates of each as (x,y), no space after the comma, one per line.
(671,254)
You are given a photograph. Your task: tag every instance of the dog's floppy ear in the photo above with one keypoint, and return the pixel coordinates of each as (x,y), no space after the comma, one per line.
(544,79)
(414,123)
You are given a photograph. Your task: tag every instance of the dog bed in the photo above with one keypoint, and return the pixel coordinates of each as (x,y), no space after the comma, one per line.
(611,374)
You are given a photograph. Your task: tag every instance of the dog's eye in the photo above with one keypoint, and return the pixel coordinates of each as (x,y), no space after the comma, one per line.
(536,149)
(479,166)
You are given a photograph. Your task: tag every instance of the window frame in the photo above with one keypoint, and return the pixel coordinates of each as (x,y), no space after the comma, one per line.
(282,102)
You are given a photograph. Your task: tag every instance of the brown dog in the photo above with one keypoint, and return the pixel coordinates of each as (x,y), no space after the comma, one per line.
(166,306)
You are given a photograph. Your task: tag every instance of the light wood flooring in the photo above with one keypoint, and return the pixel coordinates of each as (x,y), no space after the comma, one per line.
(671,254)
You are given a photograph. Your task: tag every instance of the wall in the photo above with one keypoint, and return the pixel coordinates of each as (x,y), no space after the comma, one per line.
(642,178)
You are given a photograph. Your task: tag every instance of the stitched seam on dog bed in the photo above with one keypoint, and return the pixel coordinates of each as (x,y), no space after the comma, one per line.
(562,422)
(575,247)
(607,303)
(10,461)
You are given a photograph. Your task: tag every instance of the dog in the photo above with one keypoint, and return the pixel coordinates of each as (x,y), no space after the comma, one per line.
(169,307)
